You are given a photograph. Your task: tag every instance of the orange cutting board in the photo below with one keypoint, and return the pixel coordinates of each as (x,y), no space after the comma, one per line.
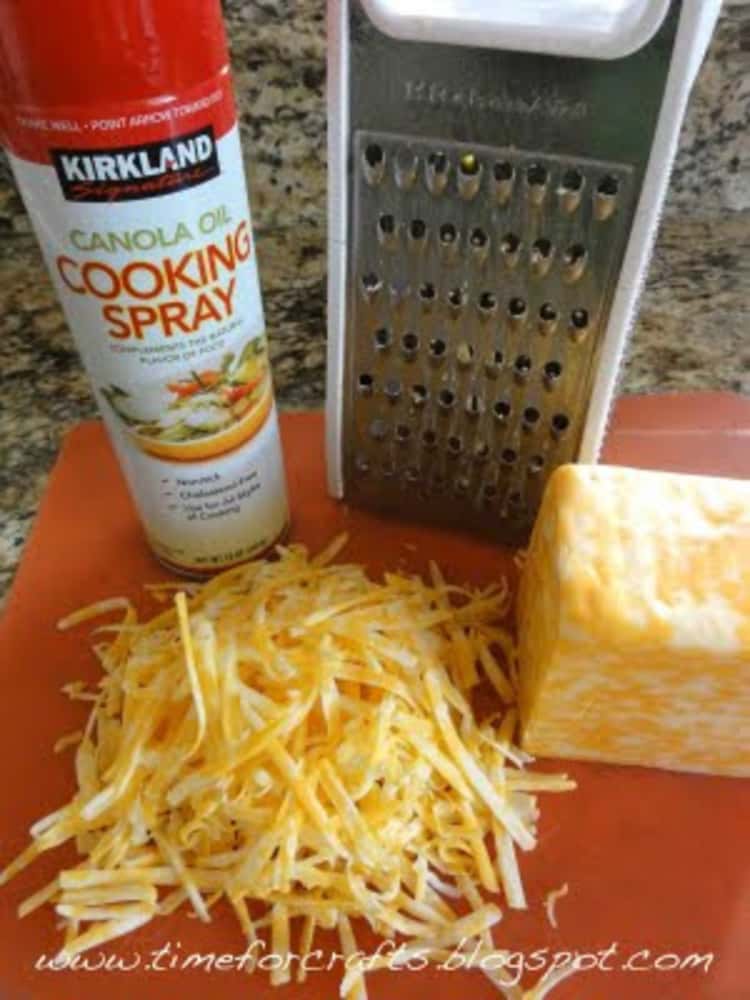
(657,863)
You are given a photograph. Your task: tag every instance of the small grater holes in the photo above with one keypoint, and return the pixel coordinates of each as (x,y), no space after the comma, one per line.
(427,295)
(493,364)
(479,245)
(437,349)
(570,190)
(387,232)
(517,312)
(446,400)
(510,249)
(429,439)
(508,457)
(575,259)
(559,425)
(412,474)
(409,345)
(402,433)
(579,324)
(382,338)
(437,170)
(605,197)
(399,292)
(537,177)
(464,354)
(362,465)
(388,469)
(417,230)
(365,384)
(489,493)
(419,395)
(371,285)
(503,176)
(515,503)
(439,483)
(536,464)
(454,446)
(501,411)
(392,390)
(378,429)
(373,164)
(542,252)
(461,486)
(469,176)
(530,419)
(521,368)
(552,373)
(405,169)
(448,234)
(474,406)
(547,318)
(456,300)
(487,304)
(481,452)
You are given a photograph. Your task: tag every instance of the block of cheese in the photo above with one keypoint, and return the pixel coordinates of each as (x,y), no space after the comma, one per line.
(634,620)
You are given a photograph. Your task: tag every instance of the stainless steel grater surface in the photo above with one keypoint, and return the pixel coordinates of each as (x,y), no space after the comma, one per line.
(490,200)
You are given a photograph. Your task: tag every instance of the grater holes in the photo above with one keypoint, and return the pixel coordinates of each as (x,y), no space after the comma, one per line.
(456,300)
(419,395)
(542,252)
(388,469)
(398,292)
(508,457)
(405,169)
(439,483)
(373,164)
(402,433)
(427,295)
(530,419)
(437,349)
(579,324)
(501,411)
(365,384)
(474,406)
(503,176)
(572,180)
(428,438)
(537,177)
(469,176)
(552,373)
(521,368)
(371,285)
(448,234)
(362,465)
(510,249)
(409,345)
(382,338)
(559,425)
(547,318)
(417,230)
(517,312)
(446,400)
(464,354)
(569,192)
(461,486)
(605,197)
(487,304)
(479,245)
(575,259)
(536,464)
(515,503)
(493,364)
(490,494)
(437,170)
(412,474)
(481,452)
(386,231)
(454,445)
(392,390)
(378,429)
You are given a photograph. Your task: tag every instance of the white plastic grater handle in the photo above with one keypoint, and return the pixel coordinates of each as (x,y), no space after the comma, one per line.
(592,29)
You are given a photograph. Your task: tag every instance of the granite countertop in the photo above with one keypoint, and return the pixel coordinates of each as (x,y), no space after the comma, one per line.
(692,330)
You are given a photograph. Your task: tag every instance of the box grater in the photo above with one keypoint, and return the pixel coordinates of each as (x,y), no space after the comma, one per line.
(495,177)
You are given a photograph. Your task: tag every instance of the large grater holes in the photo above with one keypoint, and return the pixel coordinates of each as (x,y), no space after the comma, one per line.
(510,250)
(575,259)
(548,317)
(542,252)
(382,339)
(437,171)
(605,197)
(537,177)
(469,176)
(373,164)
(409,345)
(416,233)
(503,177)
(578,326)
(570,190)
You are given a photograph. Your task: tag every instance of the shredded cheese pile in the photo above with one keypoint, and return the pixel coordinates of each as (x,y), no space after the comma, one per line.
(299,735)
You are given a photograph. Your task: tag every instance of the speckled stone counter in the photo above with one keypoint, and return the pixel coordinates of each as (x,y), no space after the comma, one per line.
(693,327)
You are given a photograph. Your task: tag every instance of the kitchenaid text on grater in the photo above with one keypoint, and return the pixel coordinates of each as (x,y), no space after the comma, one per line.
(480,278)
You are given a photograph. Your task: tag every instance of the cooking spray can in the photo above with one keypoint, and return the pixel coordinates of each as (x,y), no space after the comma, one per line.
(121,130)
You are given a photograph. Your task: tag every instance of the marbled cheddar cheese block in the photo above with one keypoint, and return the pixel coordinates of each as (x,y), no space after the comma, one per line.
(634,620)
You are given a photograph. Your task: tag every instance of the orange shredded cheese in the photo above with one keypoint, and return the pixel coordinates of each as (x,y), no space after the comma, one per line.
(298,734)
